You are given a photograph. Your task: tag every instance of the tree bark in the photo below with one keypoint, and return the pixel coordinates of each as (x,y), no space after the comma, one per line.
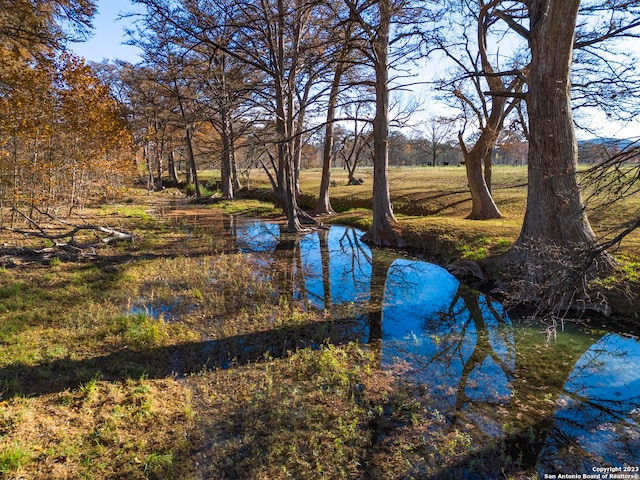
(235,179)
(555,211)
(226,161)
(483,207)
(488,168)
(384,229)
(173,172)
(323,207)
(556,252)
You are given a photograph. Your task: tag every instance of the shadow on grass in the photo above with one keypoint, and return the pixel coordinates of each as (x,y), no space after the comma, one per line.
(515,456)
(244,442)
(58,375)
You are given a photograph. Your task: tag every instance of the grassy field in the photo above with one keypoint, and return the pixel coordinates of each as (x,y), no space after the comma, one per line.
(132,364)
(432,203)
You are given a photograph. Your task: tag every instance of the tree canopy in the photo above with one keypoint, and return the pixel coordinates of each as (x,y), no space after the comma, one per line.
(62,138)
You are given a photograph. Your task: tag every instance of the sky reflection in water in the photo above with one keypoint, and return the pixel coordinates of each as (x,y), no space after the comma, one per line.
(462,346)
(597,417)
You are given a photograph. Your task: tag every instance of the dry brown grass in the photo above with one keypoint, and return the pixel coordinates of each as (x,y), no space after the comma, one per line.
(87,387)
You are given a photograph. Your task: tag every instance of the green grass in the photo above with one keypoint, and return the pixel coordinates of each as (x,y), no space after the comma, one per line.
(13,458)
(432,203)
(91,388)
(130,211)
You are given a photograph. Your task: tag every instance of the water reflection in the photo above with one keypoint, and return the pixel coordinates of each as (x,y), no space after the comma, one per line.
(335,268)
(458,344)
(419,311)
(254,236)
(598,415)
(485,372)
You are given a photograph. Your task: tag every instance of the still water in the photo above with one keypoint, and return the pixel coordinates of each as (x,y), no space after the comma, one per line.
(563,398)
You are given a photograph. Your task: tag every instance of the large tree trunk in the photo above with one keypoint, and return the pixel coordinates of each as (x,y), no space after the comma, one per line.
(285,193)
(323,207)
(173,171)
(226,161)
(285,104)
(555,251)
(227,138)
(291,208)
(488,167)
(384,229)
(555,210)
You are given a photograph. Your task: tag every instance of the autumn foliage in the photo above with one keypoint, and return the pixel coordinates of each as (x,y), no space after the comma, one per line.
(63,141)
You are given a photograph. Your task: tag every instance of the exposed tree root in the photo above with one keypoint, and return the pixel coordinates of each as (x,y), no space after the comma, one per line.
(554,280)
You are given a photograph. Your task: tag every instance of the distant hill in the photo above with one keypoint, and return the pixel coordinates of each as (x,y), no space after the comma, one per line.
(596,150)
(619,143)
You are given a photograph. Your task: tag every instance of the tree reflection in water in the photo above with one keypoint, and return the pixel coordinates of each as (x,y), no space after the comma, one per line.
(598,414)
(571,404)
(458,343)
(254,236)
(336,270)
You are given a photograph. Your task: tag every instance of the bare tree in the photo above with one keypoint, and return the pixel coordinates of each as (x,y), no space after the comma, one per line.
(279,39)
(224,87)
(488,87)
(323,205)
(605,75)
(355,146)
(438,135)
(341,62)
(375,19)
(611,182)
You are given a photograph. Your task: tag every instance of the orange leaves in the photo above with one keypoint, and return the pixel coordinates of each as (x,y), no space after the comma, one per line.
(61,133)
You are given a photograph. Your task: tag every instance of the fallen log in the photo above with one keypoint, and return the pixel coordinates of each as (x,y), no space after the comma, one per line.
(114,235)
(72,230)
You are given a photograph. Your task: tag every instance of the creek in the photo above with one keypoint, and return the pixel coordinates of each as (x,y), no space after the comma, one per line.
(562,397)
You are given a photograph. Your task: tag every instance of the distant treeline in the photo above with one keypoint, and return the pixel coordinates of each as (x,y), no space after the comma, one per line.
(422,152)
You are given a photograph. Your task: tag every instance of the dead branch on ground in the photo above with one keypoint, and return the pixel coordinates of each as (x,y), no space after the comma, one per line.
(62,234)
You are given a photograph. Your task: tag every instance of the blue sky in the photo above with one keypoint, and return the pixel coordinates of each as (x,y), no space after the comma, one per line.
(108,35)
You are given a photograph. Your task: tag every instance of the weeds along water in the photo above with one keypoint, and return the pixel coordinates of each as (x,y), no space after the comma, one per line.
(89,387)
(190,355)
